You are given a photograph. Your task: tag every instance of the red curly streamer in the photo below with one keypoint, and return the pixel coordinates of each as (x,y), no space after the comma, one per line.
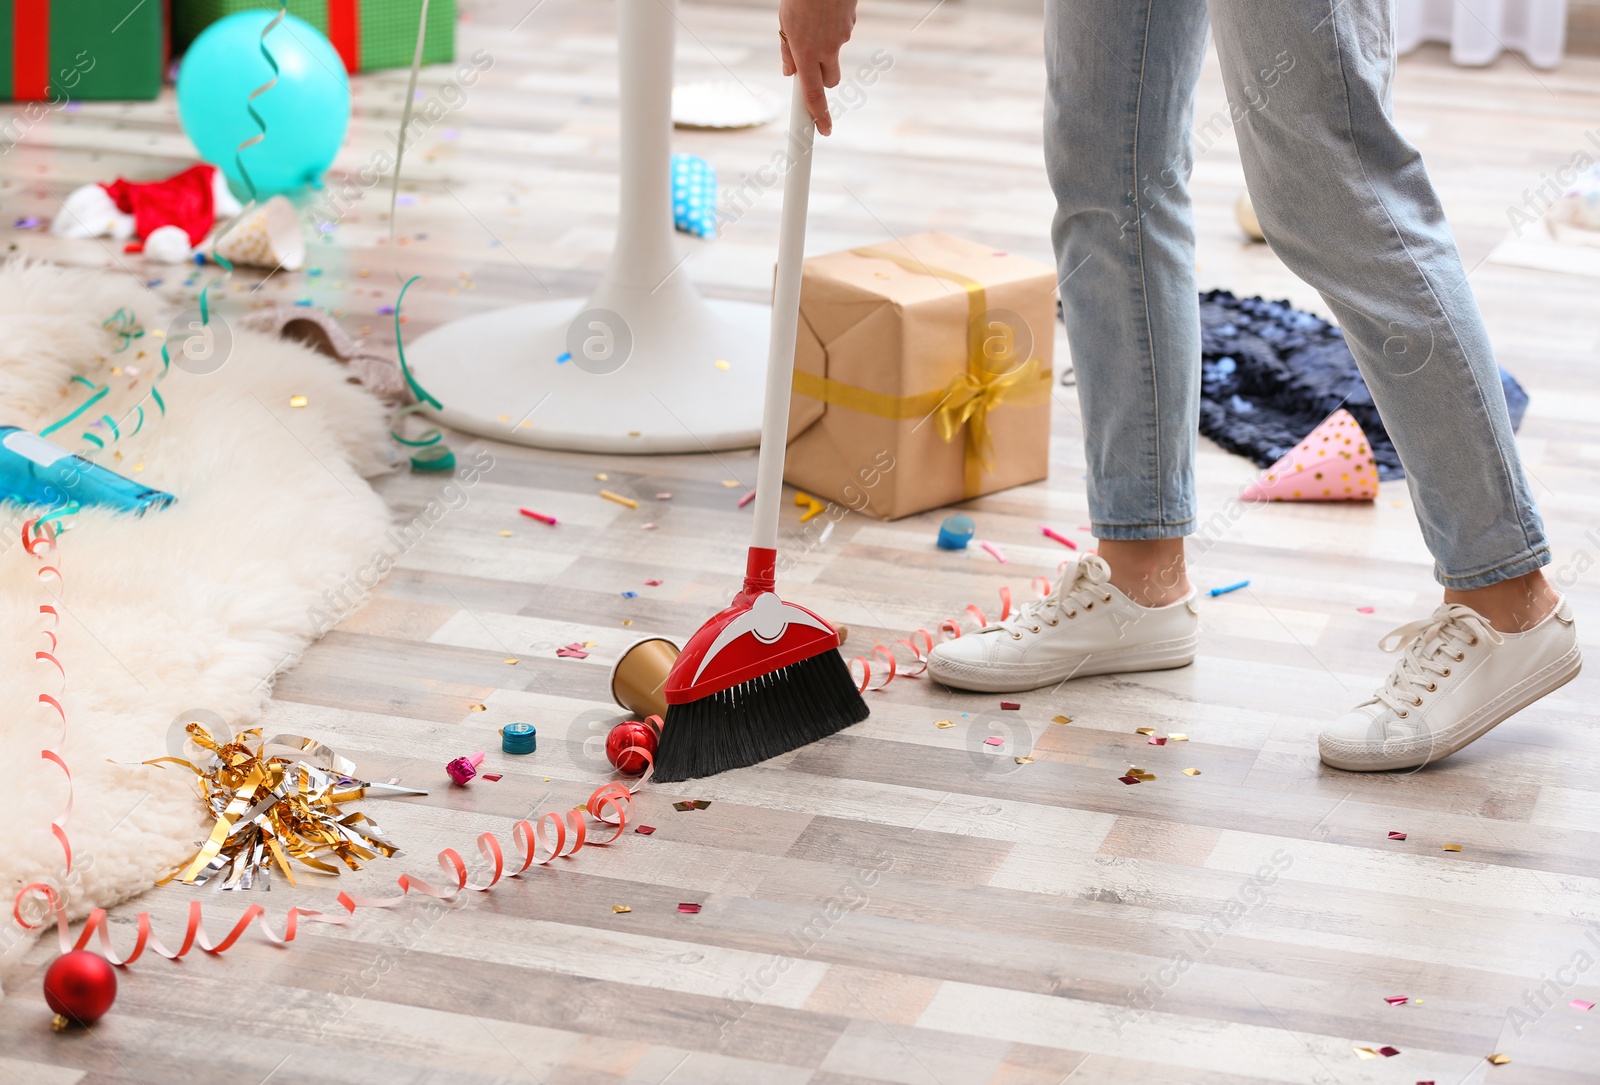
(194,933)
(610,804)
(948,629)
(36,536)
(612,797)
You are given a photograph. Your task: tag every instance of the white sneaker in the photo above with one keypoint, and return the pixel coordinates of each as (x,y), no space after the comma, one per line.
(1085,626)
(1457,677)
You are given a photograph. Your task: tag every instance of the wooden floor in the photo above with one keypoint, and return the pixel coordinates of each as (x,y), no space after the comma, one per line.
(902,903)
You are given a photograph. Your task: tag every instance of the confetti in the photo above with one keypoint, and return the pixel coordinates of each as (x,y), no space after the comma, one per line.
(619,499)
(994,741)
(689,909)
(480,708)
(493,777)
(1214,592)
(26,222)
(722,363)
(1141,775)
(1010,706)
(627,621)
(747,498)
(506,534)
(730,483)
(689,805)
(1499,1060)
(812,506)
(1365,1053)
(645,830)
(1060,719)
(1144,730)
(944,723)
(572,651)
(1129,779)
(1023,760)
(1397,1000)
(564,357)
(620,909)
(539,516)
(510,661)
(652,583)
(663,497)
(630,595)
(647,527)
(994,551)
(298,401)
(1452,847)
(1156,740)
(1191,772)
(1388,1052)
(1176,737)
(602,477)
(1062,539)
(1365,610)
(701,804)
(1580,1004)
(1396,835)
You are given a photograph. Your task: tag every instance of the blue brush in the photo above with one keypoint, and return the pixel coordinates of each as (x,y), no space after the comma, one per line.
(35,472)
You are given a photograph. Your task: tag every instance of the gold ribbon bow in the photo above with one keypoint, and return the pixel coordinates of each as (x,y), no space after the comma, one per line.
(973,394)
(966,402)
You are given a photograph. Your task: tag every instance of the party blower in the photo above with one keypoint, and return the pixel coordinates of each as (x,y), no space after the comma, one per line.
(764,676)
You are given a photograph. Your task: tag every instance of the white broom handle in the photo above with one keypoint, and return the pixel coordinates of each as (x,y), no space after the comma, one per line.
(785,322)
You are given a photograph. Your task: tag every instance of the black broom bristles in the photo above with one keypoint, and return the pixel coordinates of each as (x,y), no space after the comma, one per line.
(758,719)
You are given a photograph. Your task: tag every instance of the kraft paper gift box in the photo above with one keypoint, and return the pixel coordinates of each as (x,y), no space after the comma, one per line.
(922,375)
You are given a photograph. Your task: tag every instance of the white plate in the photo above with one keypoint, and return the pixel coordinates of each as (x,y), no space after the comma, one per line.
(723,103)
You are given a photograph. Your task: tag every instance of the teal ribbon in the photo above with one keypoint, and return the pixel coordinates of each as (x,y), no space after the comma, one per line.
(250,102)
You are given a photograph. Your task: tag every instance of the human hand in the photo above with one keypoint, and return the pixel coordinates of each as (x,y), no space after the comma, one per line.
(810,34)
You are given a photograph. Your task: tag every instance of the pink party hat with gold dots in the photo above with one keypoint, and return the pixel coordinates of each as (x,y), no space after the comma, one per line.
(1333,463)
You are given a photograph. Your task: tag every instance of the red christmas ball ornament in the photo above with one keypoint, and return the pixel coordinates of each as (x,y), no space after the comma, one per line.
(626,735)
(80,987)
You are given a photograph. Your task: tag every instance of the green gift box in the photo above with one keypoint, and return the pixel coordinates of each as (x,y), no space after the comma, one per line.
(368,34)
(64,50)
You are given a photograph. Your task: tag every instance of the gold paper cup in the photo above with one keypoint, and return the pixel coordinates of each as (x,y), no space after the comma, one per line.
(639,679)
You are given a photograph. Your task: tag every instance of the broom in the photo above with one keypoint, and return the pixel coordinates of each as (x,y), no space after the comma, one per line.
(764,676)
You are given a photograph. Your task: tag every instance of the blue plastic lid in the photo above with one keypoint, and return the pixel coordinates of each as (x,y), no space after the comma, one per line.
(956,532)
(519,738)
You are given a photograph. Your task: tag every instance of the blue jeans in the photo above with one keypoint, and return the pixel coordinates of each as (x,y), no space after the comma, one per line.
(1344,201)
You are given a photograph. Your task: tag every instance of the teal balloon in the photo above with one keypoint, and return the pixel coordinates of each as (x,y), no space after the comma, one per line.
(306,112)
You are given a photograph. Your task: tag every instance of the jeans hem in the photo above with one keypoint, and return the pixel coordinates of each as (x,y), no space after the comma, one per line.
(1140,532)
(1527,562)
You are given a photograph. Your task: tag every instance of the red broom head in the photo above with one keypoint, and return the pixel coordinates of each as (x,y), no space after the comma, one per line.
(757,634)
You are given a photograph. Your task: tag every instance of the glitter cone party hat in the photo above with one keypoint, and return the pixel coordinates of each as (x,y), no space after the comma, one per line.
(1333,463)
(269,236)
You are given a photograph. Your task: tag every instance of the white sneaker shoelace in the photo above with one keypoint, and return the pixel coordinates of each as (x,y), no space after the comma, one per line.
(1427,649)
(1079,588)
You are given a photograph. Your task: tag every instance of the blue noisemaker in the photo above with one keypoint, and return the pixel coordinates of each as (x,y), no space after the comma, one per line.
(35,472)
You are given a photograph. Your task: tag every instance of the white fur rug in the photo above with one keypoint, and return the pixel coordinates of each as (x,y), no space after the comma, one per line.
(193,607)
